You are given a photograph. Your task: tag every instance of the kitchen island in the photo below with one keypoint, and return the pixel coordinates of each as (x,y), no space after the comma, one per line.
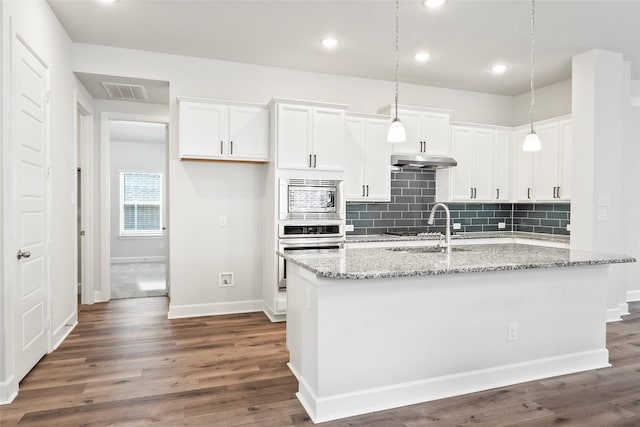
(375,328)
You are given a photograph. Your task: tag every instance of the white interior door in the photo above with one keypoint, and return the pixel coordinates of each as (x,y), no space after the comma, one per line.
(30,124)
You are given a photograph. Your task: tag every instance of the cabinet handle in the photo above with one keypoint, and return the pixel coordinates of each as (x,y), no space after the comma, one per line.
(497,194)
(310,160)
(221,145)
(314,161)
(367,190)
(471,196)
(362,190)
(529,193)
(230,147)
(558,192)
(475,193)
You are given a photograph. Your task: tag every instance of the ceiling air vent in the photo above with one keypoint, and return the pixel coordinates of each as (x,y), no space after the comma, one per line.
(125,92)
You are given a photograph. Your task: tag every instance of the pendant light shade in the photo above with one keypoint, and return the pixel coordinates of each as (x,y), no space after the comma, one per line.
(532,142)
(396,130)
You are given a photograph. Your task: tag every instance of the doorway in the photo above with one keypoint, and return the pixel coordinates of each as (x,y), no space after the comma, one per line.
(137,208)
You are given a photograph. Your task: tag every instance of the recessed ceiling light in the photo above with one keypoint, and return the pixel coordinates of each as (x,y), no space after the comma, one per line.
(329,43)
(434,3)
(107,1)
(499,68)
(422,56)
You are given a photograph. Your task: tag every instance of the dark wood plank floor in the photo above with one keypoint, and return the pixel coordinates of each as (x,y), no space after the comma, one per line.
(125,364)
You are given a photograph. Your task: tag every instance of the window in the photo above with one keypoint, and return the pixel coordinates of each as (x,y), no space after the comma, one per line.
(140,204)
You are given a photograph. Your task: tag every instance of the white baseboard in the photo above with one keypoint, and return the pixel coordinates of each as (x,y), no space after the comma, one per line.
(98,297)
(63,331)
(273,316)
(134,259)
(613,315)
(624,309)
(8,390)
(377,399)
(214,309)
(633,296)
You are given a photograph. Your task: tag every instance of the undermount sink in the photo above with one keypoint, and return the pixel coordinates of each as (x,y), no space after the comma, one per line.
(427,249)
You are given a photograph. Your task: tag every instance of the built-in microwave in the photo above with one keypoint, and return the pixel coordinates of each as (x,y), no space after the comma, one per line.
(314,199)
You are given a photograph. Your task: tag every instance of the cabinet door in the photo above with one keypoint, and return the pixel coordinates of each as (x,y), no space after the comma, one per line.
(203,130)
(248,133)
(523,173)
(377,156)
(354,151)
(546,163)
(565,161)
(293,136)
(435,133)
(483,167)
(461,175)
(412,122)
(328,139)
(502,163)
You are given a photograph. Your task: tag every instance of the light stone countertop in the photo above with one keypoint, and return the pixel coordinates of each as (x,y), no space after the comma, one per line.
(375,263)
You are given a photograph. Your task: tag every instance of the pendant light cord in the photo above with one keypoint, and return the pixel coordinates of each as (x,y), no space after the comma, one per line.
(397,51)
(533,50)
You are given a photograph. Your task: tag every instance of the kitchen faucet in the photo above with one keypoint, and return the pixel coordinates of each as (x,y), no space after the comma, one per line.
(448,217)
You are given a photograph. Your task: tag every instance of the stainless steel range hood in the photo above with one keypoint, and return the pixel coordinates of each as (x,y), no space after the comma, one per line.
(416,161)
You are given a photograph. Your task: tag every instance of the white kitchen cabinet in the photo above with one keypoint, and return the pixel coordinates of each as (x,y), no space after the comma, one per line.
(367,172)
(544,176)
(502,165)
(221,130)
(472,179)
(310,137)
(427,130)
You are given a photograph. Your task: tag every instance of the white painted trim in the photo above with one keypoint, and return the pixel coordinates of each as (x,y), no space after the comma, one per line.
(293,370)
(135,259)
(63,331)
(328,408)
(98,297)
(84,128)
(272,316)
(633,296)
(613,315)
(214,309)
(105,190)
(623,307)
(8,390)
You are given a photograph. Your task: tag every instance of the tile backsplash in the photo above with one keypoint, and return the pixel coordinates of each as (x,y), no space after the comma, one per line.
(413,196)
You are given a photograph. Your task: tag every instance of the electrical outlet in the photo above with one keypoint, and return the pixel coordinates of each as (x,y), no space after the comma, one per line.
(348,227)
(223,221)
(512,331)
(502,225)
(457,226)
(568,227)
(226,280)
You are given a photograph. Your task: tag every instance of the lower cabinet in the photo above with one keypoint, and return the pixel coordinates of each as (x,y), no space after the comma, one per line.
(367,153)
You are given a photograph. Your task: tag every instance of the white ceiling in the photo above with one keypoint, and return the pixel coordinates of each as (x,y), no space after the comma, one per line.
(465,37)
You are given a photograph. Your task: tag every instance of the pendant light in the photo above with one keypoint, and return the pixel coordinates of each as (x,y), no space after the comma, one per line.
(532,142)
(396,130)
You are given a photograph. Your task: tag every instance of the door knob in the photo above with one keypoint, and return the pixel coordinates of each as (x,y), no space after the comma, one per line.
(25,254)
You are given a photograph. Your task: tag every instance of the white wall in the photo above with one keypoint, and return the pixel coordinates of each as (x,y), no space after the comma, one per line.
(39,27)
(134,156)
(551,101)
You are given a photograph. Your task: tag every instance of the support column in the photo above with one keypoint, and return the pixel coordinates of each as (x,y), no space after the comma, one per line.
(600,89)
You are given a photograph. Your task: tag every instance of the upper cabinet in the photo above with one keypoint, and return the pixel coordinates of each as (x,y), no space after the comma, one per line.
(472,179)
(309,136)
(221,130)
(367,171)
(544,176)
(427,130)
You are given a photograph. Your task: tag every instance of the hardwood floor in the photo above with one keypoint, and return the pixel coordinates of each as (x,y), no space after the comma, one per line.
(125,364)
